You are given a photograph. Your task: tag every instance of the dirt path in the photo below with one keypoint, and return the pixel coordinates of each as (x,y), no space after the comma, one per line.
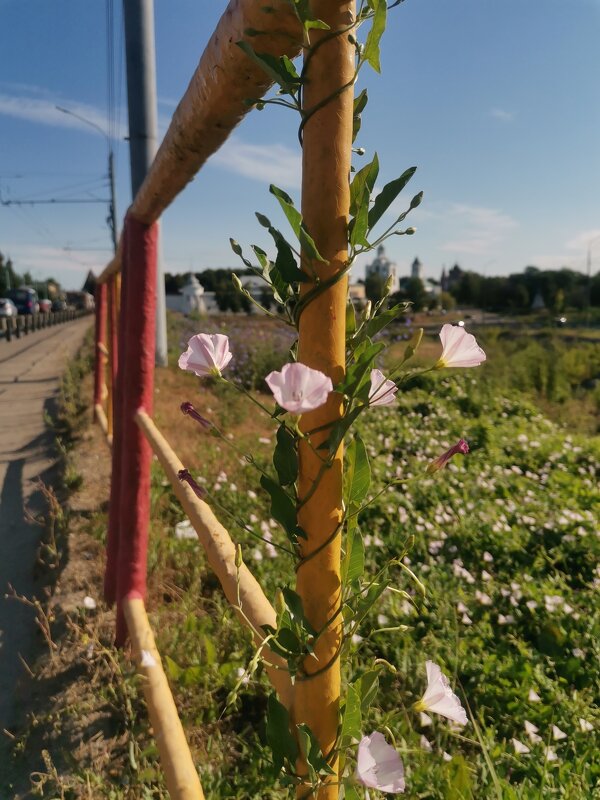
(30,371)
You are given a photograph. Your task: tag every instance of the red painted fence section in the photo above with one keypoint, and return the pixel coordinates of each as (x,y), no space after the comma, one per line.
(99,356)
(130,491)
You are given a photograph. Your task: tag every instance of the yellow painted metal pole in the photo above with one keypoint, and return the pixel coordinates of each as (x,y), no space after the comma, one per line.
(240,586)
(325,207)
(181,776)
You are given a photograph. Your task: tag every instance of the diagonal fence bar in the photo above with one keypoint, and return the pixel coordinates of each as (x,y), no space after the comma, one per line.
(181,776)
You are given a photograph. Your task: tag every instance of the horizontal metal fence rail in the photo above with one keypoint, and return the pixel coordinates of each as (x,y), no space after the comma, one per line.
(24,324)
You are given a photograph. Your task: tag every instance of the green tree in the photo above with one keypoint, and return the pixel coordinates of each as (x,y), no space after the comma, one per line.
(374,285)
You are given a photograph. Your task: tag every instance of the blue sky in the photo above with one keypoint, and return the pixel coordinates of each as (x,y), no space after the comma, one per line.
(497,105)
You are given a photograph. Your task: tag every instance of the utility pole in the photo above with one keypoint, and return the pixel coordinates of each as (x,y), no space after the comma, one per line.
(141,100)
(112,209)
(112,203)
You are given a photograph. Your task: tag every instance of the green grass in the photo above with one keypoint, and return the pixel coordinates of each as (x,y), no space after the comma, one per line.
(494,537)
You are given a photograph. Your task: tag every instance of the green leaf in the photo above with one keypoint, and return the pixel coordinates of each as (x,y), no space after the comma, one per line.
(359,224)
(280,70)
(295,607)
(173,670)
(285,457)
(369,685)
(283,508)
(338,431)
(358,372)
(311,750)
(294,217)
(302,9)
(387,196)
(262,260)
(354,559)
(371,49)
(286,263)
(238,251)
(382,320)
(279,736)
(264,221)
(351,718)
(350,318)
(357,475)
(364,178)
(359,106)
(368,601)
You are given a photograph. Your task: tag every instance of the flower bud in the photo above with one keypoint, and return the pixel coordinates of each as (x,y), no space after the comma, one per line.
(185,477)
(188,409)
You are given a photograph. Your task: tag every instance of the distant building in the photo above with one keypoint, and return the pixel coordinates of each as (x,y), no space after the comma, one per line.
(538,302)
(416,270)
(193,296)
(454,276)
(382,267)
(358,294)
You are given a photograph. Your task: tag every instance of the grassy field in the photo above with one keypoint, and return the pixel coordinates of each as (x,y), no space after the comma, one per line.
(505,541)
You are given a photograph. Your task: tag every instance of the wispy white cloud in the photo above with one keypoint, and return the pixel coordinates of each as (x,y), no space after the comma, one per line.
(502,114)
(479,230)
(275,163)
(38,105)
(43,110)
(582,240)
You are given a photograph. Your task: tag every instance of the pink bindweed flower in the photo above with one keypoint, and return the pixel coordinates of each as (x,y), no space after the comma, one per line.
(207,354)
(185,476)
(379,765)
(298,388)
(188,409)
(383,391)
(439,697)
(438,463)
(460,349)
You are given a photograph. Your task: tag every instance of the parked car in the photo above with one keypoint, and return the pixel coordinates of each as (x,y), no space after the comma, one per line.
(59,304)
(45,306)
(25,299)
(7,308)
(80,301)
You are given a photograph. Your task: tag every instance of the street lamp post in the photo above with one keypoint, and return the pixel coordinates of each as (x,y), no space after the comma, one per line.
(589,277)
(112,210)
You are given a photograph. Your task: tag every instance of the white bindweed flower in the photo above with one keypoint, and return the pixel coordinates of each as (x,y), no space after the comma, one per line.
(382,391)
(446,756)
(243,676)
(557,734)
(379,766)
(533,696)
(551,754)
(439,697)
(520,748)
(207,354)
(585,726)
(425,719)
(147,659)
(425,744)
(89,603)
(460,349)
(532,731)
(298,388)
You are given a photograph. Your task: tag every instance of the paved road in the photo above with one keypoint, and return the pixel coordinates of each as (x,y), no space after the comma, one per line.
(30,371)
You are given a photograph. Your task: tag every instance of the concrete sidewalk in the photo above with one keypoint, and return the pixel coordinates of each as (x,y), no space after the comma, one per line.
(30,372)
